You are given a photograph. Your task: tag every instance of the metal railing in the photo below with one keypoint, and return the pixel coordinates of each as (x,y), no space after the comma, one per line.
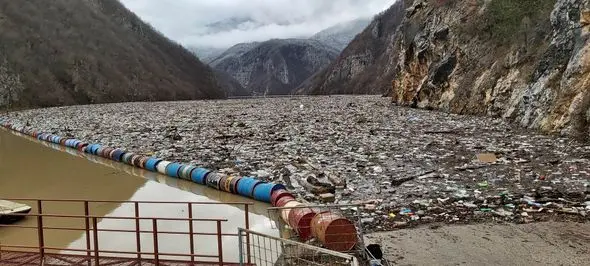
(261,249)
(352,212)
(93,252)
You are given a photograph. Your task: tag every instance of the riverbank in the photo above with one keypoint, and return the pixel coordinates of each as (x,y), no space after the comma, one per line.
(406,166)
(488,244)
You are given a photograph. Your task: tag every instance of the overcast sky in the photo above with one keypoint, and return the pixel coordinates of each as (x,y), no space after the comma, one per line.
(186,20)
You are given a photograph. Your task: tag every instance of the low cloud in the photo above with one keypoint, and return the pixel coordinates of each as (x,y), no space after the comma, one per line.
(223,23)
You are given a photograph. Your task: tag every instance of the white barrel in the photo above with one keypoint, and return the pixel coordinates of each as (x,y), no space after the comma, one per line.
(161,167)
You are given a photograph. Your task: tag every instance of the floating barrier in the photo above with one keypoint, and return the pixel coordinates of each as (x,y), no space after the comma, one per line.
(332,229)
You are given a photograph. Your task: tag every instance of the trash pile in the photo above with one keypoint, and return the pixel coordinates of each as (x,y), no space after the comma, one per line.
(406,166)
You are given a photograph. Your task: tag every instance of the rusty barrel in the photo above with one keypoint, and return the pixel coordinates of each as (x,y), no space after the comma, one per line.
(233,186)
(285,212)
(226,184)
(106,153)
(278,194)
(300,221)
(334,231)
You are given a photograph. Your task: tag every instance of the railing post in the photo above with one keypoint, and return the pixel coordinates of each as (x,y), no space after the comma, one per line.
(191,232)
(240,248)
(95,236)
(87,225)
(155,232)
(137,231)
(247,233)
(219,243)
(40,230)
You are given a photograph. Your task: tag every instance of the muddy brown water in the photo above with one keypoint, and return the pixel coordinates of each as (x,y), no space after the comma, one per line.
(34,169)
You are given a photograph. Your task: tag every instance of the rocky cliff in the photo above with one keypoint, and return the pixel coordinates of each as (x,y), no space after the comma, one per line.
(527,61)
(64,52)
(276,66)
(363,66)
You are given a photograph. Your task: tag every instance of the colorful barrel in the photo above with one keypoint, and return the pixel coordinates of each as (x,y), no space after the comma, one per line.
(106,153)
(172,169)
(234,184)
(226,184)
(142,161)
(334,231)
(185,172)
(99,151)
(222,183)
(278,194)
(300,220)
(151,164)
(117,155)
(213,180)
(112,153)
(285,212)
(127,157)
(62,141)
(246,186)
(199,176)
(263,192)
(135,160)
(161,167)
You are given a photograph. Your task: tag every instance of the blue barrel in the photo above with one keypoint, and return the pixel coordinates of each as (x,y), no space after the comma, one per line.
(185,172)
(69,142)
(99,150)
(95,149)
(151,164)
(246,186)
(199,176)
(117,155)
(263,192)
(172,169)
(90,148)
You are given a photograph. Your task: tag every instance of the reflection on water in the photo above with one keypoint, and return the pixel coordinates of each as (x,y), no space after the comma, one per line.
(30,170)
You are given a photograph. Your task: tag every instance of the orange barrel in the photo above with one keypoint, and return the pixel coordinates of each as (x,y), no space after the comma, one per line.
(278,194)
(285,212)
(300,221)
(334,231)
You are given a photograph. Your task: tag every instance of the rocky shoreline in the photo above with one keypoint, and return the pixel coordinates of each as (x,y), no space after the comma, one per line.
(405,166)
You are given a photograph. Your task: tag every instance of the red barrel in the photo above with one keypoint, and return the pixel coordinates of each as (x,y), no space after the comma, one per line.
(334,231)
(300,221)
(278,194)
(282,201)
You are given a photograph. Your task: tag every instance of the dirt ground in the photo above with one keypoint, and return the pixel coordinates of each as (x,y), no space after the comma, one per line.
(548,243)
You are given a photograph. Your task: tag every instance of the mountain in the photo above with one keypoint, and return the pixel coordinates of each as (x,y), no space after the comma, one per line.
(206,53)
(276,66)
(359,69)
(340,35)
(64,52)
(527,61)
